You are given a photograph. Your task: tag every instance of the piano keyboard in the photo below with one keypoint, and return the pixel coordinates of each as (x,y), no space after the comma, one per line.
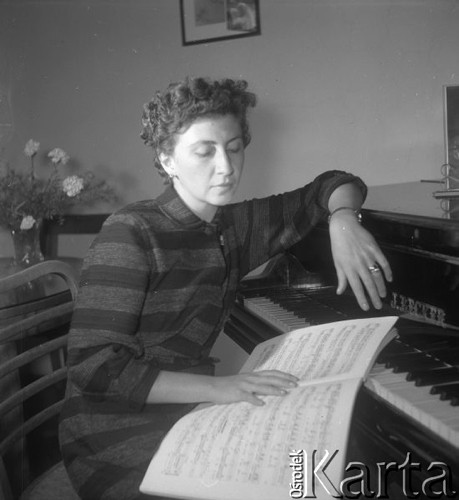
(290,309)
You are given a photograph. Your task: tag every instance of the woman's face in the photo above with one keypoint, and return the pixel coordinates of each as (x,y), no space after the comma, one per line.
(206,164)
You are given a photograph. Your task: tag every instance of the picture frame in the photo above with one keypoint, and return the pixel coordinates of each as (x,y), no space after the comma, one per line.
(451,134)
(204,21)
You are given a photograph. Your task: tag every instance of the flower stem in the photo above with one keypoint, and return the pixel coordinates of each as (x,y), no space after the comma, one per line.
(32,169)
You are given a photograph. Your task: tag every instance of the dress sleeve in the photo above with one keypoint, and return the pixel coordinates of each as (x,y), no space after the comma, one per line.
(268,226)
(105,355)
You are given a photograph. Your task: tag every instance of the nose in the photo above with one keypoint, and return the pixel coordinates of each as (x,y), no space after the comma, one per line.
(223,164)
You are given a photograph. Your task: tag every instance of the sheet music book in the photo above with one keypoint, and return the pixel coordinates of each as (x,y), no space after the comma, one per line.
(240,451)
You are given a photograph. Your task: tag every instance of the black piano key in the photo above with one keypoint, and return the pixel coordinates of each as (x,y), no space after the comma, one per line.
(445,351)
(425,340)
(433,377)
(447,392)
(421,371)
(450,356)
(400,354)
(440,351)
(407,364)
(395,350)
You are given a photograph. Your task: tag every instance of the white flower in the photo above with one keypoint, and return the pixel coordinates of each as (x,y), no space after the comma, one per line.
(72,185)
(58,155)
(31,148)
(27,223)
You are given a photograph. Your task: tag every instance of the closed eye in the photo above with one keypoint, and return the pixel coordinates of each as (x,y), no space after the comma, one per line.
(236,147)
(205,153)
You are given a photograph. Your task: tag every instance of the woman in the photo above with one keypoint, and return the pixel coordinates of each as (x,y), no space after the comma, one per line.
(159,281)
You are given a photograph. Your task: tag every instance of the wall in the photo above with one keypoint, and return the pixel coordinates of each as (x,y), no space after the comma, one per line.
(348,84)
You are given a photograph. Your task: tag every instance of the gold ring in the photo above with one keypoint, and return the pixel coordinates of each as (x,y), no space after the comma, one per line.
(374,269)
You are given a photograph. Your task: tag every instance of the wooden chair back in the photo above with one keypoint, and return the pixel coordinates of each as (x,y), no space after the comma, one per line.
(33,338)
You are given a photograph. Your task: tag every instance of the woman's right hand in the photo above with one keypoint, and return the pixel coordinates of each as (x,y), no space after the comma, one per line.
(249,386)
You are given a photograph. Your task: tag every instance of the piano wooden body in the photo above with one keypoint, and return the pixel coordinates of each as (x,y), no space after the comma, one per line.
(396,418)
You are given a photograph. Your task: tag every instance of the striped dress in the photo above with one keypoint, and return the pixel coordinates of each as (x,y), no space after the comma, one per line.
(156,288)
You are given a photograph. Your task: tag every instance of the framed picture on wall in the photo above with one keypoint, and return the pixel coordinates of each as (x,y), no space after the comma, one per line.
(206,21)
(451,127)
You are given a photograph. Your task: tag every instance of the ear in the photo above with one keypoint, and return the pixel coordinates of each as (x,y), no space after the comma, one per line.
(167,163)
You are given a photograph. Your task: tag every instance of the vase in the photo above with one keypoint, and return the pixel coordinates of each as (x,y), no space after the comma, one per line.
(26,243)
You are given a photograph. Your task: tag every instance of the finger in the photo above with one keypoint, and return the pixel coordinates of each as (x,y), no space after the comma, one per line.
(269,387)
(377,277)
(378,280)
(369,280)
(276,375)
(342,282)
(383,263)
(385,266)
(250,397)
(378,271)
(278,380)
(357,288)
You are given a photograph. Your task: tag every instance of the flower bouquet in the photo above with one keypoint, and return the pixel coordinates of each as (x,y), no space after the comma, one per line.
(26,198)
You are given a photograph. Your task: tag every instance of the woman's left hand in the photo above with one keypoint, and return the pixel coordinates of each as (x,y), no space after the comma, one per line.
(358,260)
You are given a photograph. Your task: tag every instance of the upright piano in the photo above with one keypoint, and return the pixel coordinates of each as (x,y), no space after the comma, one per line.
(410,402)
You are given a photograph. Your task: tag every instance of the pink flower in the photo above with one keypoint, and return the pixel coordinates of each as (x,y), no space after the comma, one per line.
(27,223)
(31,148)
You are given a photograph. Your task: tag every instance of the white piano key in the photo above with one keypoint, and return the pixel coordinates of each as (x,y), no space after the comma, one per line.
(416,402)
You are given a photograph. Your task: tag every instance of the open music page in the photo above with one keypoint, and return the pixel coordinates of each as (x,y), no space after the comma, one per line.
(242,452)
(332,351)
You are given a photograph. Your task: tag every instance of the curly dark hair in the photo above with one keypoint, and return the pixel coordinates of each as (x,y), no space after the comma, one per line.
(174,110)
